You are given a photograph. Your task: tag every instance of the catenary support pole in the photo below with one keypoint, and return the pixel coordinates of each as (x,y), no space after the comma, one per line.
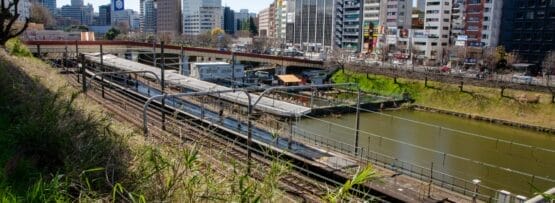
(357,124)
(101,58)
(162,67)
(76,48)
(38,51)
(83,74)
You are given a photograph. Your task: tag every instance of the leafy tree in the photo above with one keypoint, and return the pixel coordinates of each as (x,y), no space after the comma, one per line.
(8,16)
(41,15)
(338,58)
(252,27)
(112,33)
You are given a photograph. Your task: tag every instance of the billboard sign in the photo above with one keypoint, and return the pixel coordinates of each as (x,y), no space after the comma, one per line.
(118,5)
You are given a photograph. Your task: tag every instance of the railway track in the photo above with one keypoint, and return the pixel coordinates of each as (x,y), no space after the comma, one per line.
(129,107)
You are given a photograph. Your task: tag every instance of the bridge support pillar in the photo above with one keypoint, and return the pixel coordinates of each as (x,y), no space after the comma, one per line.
(38,51)
(290,126)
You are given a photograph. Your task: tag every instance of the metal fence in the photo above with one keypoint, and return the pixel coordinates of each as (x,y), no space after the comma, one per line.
(426,174)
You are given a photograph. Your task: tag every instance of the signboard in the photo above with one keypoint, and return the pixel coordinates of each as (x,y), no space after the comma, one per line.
(404,33)
(119,5)
(462,38)
(460,43)
(391,39)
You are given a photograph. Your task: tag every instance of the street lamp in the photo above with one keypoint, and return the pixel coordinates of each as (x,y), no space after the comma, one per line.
(476,183)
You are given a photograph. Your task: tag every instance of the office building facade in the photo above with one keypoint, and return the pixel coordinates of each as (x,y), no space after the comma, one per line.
(229,21)
(104,15)
(437,24)
(148,16)
(528,28)
(49,4)
(348,24)
(78,12)
(168,17)
(312,29)
(200,16)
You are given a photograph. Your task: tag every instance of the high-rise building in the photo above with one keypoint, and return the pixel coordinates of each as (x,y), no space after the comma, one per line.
(458,21)
(148,16)
(77,3)
(78,12)
(229,21)
(313,26)
(382,18)
(104,15)
(241,17)
(370,25)
(437,24)
(168,17)
(398,14)
(421,5)
(49,4)
(264,22)
(528,28)
(284,14)
(348,24)
(482,22)
(200,16)
(271,21)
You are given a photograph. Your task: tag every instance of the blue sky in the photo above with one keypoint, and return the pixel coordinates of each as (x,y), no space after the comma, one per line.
(252,5)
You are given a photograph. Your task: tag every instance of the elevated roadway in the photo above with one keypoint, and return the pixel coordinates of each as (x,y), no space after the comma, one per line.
(121,47)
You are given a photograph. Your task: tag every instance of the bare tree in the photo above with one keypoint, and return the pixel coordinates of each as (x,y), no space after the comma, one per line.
(383,53)
(512,57)
(339,58)
(41,15)
(261,43)
(549,71)
(243,33)
(203,40)
(123,27)
(459,54)
(9,14)
(490,58)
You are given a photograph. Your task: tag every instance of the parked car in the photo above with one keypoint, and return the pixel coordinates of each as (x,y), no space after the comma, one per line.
(522,79)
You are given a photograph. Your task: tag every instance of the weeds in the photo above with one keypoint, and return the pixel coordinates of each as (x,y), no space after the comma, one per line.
(16,48)
(361,176)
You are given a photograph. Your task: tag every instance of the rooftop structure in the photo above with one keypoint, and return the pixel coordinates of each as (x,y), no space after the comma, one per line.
(266,104)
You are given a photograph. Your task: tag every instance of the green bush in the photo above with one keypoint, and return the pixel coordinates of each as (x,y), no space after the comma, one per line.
(17,48)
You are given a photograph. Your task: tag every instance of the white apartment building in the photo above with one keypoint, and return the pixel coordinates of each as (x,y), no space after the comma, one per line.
(264,22)
(285,14)
(200,16)
(370,24)
(491,22)
(437,24)
(398,14)
(381,19)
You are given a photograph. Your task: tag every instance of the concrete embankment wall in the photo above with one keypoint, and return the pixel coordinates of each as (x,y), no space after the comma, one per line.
(352,108)
(483,118)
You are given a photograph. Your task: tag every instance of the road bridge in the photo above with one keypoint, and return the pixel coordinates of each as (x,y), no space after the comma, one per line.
(122,47)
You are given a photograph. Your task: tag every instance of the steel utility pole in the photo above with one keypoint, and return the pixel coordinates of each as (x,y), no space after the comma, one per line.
(162,66)
(357,121)
(84,77)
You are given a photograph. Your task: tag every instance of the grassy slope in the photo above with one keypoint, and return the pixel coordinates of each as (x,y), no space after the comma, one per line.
(475,100)
(56,144)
